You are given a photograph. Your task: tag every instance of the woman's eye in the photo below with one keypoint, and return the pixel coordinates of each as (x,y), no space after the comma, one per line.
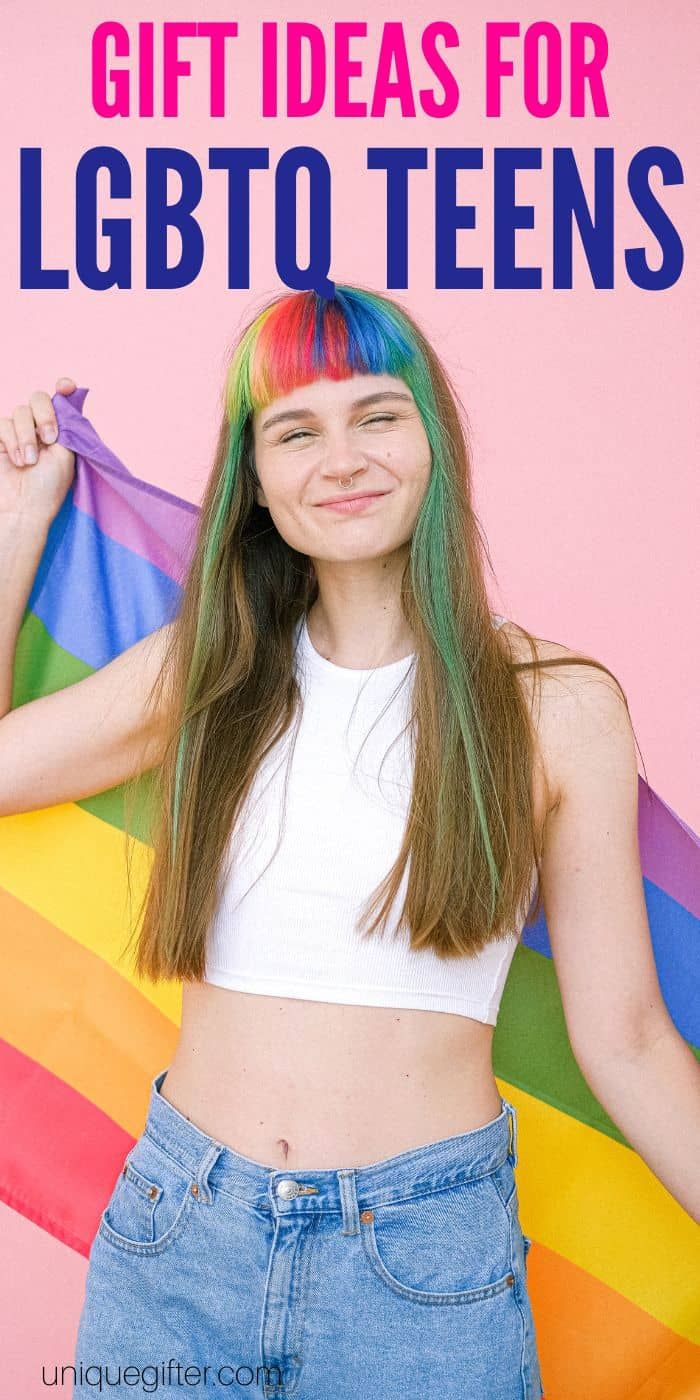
(298,432)
(376,418)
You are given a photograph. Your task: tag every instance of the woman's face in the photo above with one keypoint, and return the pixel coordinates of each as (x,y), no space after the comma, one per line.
(367,427)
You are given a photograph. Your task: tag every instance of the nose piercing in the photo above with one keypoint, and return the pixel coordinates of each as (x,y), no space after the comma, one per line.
(342,482)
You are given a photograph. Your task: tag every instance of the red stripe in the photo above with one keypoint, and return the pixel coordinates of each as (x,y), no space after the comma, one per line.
(59,1155)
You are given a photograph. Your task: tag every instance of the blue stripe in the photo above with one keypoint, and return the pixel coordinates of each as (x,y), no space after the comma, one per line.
(95,596)
(675,936)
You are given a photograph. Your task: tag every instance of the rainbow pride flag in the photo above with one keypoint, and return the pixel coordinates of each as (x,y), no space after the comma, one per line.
(614,1265)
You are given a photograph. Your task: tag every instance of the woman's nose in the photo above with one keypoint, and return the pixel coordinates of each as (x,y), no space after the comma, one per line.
(343,460)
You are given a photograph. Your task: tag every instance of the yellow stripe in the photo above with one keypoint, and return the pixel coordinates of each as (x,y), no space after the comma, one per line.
(596,1202)
(71,868)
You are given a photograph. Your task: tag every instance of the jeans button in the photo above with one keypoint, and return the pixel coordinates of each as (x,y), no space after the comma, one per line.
(287,1188)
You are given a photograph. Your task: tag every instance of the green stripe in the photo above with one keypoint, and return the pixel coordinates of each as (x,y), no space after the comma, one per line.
(531,1048)
(42,667)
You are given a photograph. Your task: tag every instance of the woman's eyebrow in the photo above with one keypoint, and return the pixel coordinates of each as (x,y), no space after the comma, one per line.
(293,414)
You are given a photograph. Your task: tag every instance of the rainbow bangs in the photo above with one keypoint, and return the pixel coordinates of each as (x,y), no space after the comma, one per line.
(304,336)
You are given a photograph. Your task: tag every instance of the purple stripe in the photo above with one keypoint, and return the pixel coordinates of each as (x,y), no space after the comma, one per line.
(160,538)
(153,523)
(670,851)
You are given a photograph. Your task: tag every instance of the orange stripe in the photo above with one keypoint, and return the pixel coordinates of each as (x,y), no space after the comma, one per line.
(72,1013)
(592,1341)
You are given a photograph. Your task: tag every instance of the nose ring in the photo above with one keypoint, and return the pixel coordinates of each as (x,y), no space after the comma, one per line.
(342,482)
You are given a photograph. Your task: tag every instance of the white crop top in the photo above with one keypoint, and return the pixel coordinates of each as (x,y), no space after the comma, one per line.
(285,919)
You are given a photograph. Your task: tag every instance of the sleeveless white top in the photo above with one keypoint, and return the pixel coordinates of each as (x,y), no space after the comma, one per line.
(295,877)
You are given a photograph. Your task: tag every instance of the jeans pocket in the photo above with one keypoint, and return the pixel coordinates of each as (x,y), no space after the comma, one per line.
(449,1245)
(151,1202)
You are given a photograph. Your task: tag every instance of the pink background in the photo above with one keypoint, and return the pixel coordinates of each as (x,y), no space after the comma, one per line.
(583,404)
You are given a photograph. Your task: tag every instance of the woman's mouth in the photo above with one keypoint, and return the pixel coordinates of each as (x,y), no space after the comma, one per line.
(349,505)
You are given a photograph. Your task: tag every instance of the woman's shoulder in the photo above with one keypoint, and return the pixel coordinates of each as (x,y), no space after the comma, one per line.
(558,661)
(575,701)
(519,638)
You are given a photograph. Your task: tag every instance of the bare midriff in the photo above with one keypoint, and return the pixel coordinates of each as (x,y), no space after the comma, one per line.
(309,1084)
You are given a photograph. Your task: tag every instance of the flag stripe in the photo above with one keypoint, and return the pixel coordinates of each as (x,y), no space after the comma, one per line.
(143,597)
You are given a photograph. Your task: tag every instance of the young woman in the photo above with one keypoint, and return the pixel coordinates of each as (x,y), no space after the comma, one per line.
(364,778)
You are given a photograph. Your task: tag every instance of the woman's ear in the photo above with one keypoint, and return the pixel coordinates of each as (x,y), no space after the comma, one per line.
(260,496)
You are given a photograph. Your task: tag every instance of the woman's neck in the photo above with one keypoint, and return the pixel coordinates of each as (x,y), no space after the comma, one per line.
(357,619)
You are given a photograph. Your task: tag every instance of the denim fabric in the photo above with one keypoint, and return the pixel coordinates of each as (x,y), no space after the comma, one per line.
(212,1274)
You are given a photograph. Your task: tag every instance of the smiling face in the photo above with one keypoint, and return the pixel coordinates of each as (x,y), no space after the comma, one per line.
(367,427)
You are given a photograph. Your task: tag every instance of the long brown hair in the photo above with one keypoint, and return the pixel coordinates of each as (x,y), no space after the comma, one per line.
(472,834)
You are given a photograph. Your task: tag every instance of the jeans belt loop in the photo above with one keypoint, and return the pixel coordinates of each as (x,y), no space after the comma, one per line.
(513,1134)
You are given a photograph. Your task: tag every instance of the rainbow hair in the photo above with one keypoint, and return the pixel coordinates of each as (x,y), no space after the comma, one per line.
(303,336)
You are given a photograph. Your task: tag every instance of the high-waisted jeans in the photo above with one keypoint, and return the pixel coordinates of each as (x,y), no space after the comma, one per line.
(212,1274)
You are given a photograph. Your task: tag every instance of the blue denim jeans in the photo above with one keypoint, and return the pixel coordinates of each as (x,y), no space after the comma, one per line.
(212,1274)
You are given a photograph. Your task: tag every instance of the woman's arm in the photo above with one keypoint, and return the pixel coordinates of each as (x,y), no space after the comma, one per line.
(629,1051)
(109,726)
(89,736)
(35,475)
